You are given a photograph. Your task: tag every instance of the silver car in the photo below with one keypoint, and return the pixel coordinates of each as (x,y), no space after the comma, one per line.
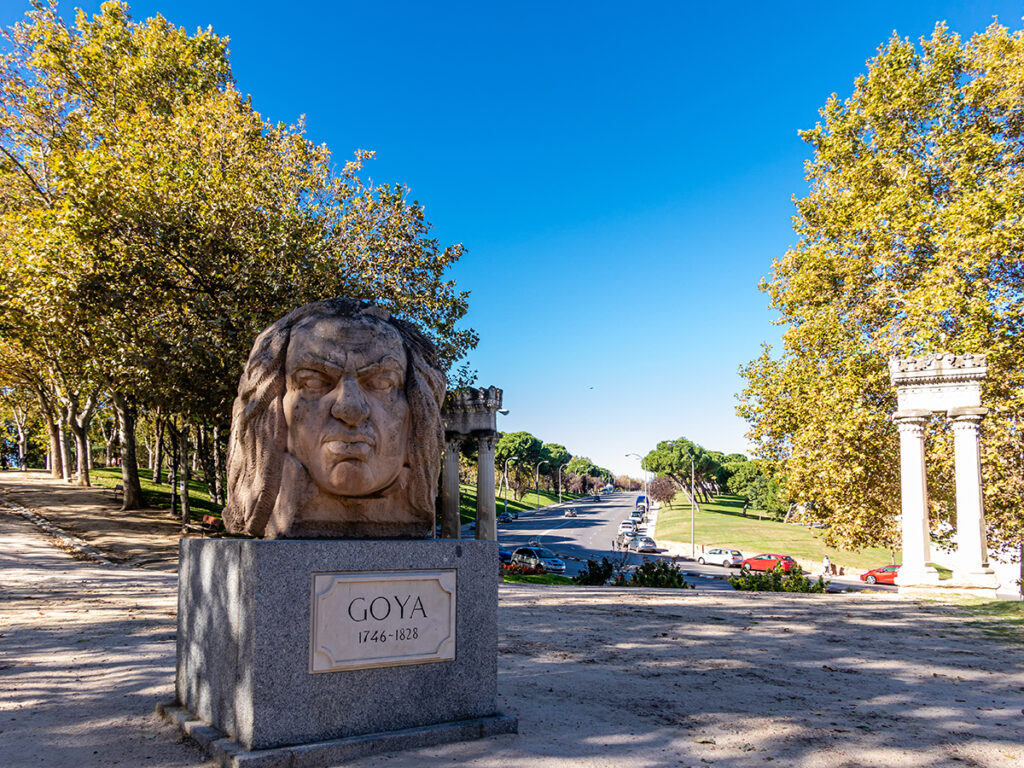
(728,558)
(643,544)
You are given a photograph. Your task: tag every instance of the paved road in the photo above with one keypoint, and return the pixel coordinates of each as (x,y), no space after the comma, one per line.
(591,534)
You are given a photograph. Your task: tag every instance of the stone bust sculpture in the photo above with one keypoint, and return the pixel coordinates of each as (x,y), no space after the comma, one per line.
(336,431)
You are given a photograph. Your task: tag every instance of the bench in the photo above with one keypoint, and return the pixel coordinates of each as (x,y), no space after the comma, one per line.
(210,524)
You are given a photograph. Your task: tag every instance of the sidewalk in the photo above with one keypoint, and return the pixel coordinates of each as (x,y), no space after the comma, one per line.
(598,677)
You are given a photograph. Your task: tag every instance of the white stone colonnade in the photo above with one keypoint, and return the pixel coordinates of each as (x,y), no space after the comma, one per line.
(949,384)
(470,413)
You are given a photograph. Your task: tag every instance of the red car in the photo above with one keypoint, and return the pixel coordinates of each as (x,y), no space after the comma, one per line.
(886,575)
(768,562)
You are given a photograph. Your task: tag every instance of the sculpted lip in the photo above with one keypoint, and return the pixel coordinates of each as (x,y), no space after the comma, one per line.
(355,447)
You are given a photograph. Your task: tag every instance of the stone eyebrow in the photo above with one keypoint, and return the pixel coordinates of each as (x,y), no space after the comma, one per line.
(388,362)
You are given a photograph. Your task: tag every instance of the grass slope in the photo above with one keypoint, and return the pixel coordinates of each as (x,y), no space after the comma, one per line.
(721,523)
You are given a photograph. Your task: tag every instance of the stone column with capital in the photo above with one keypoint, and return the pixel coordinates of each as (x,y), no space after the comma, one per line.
(970,568)
(486,519)
(917,568)
(451,525)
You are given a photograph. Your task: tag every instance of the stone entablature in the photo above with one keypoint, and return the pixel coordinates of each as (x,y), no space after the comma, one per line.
(471,411)
(937,382)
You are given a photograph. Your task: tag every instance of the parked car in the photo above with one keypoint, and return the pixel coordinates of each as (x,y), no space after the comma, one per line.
(569,513)
(768,561)
(643,544)
(720,556)
(538,557)
(504,555)
(641,501)
(505,517)
(624,538)
(627,525)
(636,516)
(885,575)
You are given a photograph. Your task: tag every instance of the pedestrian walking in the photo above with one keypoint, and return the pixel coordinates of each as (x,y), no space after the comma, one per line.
(826,566)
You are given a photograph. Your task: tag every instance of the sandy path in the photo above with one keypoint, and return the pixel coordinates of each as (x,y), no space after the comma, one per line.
(597,677)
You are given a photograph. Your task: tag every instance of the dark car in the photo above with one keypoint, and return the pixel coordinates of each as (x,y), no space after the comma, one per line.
(595,498)
(504,555)
(538,557)
(505,517)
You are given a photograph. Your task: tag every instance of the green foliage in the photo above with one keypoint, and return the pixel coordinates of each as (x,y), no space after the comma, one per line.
(683,460)
(776,580)
(596,574)
(656,573)
(153,222)
(909,243)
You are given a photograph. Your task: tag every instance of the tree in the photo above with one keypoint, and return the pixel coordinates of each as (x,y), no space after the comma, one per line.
(662,490)
(152,222)
(910,242)
(528,450)
(680,458)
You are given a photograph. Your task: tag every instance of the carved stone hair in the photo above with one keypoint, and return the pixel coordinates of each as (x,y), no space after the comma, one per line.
(259,432)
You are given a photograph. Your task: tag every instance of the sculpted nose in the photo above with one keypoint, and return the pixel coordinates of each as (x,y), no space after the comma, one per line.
(350,405)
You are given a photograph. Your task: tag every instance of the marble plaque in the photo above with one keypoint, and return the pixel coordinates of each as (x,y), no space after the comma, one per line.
(383,619)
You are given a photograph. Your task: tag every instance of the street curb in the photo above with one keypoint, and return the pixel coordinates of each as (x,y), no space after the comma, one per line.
(73,543)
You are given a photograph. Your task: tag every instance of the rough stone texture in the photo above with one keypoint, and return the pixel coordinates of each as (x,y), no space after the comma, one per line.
(243,641)
(336,431)
(327,753)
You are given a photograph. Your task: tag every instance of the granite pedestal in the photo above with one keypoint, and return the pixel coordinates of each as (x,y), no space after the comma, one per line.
(246,686)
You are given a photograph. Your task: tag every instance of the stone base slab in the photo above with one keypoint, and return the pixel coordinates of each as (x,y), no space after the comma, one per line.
(321,754)
(245,613)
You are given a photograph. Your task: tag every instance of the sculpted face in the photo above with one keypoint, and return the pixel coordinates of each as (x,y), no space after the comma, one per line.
(345,404)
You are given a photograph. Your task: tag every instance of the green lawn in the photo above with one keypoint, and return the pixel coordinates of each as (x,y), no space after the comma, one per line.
(537,578)
(721,523)
(159,496)
(467,501)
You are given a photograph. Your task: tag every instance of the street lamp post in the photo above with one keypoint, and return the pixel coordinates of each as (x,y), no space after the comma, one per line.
(536,483)
(510,458)
(560,481)
(644,477)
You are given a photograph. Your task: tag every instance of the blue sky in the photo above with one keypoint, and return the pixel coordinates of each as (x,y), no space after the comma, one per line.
(620,173)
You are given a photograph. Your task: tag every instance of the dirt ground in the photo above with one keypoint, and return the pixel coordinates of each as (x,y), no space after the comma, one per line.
(598,677)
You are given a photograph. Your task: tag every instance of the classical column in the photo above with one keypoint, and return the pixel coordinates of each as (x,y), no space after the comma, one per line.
(451,525)
(486,522)
(971,565)
(917,567)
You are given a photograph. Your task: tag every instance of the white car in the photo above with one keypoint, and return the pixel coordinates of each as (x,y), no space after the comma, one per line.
(729,558)
(643,544)
(627,526)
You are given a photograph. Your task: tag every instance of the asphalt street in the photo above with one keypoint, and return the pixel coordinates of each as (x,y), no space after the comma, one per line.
(591,535)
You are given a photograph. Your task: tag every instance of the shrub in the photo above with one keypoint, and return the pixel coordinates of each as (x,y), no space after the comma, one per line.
(520,570)
(776,580)
(597,574)
(659,573)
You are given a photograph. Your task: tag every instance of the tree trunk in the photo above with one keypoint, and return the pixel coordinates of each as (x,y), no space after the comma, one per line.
(218,466)
(46,408)
(132,496)
(158,449)
(172,469)
(186,476)
(65,449)
(207,449)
